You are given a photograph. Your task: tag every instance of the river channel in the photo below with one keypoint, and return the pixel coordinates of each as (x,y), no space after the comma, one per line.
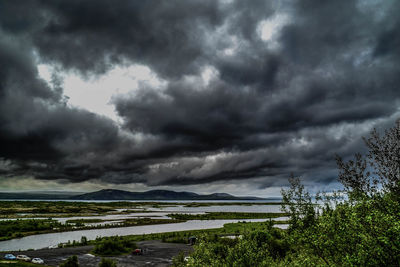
(52,239)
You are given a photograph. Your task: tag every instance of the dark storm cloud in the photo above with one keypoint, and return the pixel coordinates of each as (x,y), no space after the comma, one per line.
(38,132)
(269,107)
(150,32)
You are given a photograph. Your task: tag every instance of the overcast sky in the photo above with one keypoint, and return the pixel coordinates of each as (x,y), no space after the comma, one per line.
(199,95)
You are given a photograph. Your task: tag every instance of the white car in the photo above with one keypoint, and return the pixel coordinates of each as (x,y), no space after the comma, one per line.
(37,260)
(23,258)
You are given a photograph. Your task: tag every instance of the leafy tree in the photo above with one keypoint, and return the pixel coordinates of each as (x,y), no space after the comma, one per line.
(364,228)
(298,204)
(84,240)
(377,173)
(384,157)
(360,228)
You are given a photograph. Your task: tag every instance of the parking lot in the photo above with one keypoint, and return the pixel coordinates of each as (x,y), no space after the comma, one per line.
(156,253)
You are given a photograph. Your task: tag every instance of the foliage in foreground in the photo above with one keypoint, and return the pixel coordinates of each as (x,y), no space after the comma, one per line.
(256,248)
(359,226)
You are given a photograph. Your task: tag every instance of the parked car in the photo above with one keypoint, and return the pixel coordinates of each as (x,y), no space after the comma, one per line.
(137,251)
(9,257)
(38,261)
(23,258)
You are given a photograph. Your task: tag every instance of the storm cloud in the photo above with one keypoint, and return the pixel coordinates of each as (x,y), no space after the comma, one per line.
(250,91)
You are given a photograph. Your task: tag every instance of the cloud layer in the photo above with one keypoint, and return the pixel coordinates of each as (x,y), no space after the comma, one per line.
(239,101)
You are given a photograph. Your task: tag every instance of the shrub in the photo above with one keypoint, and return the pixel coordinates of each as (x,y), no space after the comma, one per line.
(179,260)
(84,240)
(71,262)
(361,227)
(107,263)
(114,246)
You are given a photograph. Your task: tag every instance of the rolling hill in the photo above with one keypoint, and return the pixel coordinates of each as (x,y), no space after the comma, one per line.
(113,194)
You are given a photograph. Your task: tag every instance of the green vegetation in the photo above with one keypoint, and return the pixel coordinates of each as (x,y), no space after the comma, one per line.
(179,260)
(47,210)
(83,221)
(84,241)
(107,263)
(254,248)
(114,246)
(58,207)
(20,209)
(18,228)
(71,262)
(147,221)
(23,227)
(226,215)
(359,226)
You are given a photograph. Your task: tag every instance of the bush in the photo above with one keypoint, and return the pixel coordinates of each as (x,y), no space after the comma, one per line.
(114,246)
(363,227)
(107,263)
(179,260)
(359,226)
(71,262)
(84,240)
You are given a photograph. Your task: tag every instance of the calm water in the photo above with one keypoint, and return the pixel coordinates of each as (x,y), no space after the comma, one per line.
(46,240)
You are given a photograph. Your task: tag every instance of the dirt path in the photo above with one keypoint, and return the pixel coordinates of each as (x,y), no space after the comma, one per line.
(156,254)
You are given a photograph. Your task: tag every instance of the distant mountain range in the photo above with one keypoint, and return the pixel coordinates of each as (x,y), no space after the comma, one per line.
(113,194)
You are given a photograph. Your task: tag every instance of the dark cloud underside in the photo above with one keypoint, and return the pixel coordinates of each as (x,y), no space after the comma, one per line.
(271,107)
